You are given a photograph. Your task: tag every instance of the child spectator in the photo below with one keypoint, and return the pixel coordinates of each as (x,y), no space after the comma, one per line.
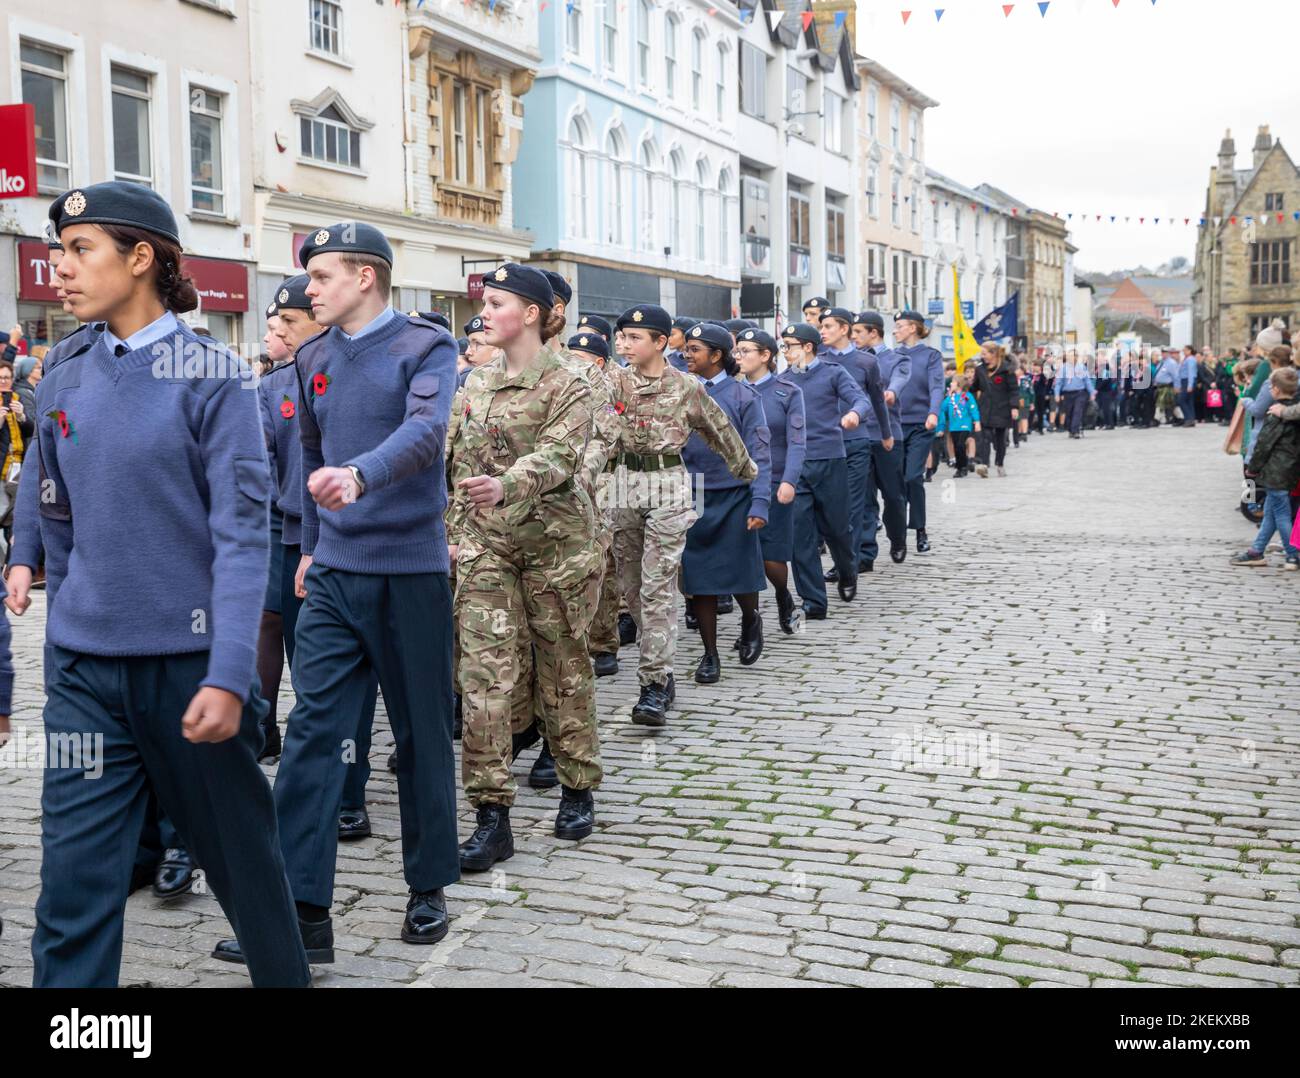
(1275,466)
(959,418)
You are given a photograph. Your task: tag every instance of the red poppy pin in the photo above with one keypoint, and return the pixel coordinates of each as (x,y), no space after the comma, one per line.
(620,407)
(320,383)
(286,408)
(65,425)
(997,379)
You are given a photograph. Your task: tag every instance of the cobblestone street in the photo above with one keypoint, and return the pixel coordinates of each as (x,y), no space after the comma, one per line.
(1056,751)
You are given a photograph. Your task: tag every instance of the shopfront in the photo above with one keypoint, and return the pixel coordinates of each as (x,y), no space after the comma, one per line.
(39,311)
(223,300)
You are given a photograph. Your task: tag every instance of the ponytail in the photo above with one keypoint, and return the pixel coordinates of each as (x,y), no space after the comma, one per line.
(175,289)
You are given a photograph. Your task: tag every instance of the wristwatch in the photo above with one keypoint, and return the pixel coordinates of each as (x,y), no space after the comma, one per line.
(356,476)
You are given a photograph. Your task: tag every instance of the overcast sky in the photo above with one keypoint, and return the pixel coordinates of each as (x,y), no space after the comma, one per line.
(1096,108)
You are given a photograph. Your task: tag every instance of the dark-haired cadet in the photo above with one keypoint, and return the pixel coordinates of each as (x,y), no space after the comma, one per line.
(152,645)
(563,293)
(919,405)
(782,399)
(722,554)
(813,309)
(833,403)
(676,341)
(374,577)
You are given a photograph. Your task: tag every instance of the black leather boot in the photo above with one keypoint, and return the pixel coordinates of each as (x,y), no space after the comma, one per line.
(848,589)
(652,708)
(577,814)
(175,875)
(492,840)
(604,664)
(626,630)
(785,610)
(725,604)
(525,739)
(922,542)
(317,941)
(543,776)
(709,669)
(751,640)
(354,824)
(426,917)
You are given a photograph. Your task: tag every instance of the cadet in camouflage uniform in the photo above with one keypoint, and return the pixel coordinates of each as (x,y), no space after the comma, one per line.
(522,526)
(658,408)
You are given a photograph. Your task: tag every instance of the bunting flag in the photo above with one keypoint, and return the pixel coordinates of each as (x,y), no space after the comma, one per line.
(840,16)
(1043,5)
(906,15)
(964,346)
(1006,9)
(806,18)
(938,14)
(774,19)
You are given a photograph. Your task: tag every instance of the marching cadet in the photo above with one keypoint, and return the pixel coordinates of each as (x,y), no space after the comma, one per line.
(813,310)
(919,405)
(659,407)
(837,347)
(436,317)
(522,530)
(676,341)
(885,474)
(153,644)
(600,325)
(783,406)
(279,397)
(563,293)
(722,554)
(833,403)
(478,352)
(375,392)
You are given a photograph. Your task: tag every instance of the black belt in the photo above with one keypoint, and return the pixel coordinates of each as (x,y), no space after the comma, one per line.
(644,462)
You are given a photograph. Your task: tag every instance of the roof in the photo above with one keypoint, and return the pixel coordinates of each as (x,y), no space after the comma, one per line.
(997,195)
(1166,291)
(873,69)
(937,179)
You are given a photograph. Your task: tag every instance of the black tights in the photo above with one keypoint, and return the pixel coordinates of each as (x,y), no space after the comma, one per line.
(778,574)
(270,659)
(706,613)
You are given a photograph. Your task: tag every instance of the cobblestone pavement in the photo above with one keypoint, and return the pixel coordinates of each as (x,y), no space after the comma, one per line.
(1054,751)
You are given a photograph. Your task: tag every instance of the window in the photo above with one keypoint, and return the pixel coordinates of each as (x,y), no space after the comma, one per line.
(936,217)
(800,220)
(1260,322)
(835,244)
(956,223)
(1273,202)
(756,226)
(873,195)
(326,27)
(701,215)
(915,205)
(45,88)
(720,86)
(871,112)
(913,133)
(897,282)
(896,201)
(459,154)
(649,166)
(670,57)
(482,112)
(977,230)
(833,122)
(573,26)
(895,122)
(616,176)
(207,193)
(725,239)
(796,92)
(643,43)
(132,149)
(697,69)
(675,203)
(579,181)
(753,81)
(327,138)
(1270,262)
(611,36)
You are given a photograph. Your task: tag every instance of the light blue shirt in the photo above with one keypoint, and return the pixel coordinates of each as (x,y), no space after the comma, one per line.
(765,377)
(1073,376)
(378,322)
(1167,372)
(1188,369)
(154,331)
(716,380)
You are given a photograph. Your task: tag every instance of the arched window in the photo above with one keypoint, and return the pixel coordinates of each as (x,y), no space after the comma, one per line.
(697,70)
(646,197)
(671,26)
(720,85)
(580,180)
(643,43)
(701,215)
(675,169)
(615,188)
(726,233)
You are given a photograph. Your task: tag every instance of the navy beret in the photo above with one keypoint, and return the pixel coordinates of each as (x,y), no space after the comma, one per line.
(559,286)
(346,237)
(589,342)
(292,294)
(474,325)
(842,313)
(802,331)
(463,344)
(911,316)
(271,309)
(524,281)
(646,316)
(684,324)
(713,336)
(436,317)
(758,337)
(597,323)
(816,301)
(869,318)
(115,203)
(736,325)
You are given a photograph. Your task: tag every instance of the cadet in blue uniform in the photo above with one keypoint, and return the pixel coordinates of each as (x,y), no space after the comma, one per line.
(833,403)
(375,393)
(676,341)
(783,406)
(153,643)
(813,310)
(278,394)
(837,347)
(886,473)
(919,405)
(722,554)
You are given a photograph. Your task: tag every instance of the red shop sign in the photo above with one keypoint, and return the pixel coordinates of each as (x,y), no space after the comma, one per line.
(35,274)
(474,286)
(222,286)
(18,151)
(299,238)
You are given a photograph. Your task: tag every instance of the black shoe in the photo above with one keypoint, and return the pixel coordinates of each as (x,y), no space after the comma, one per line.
(814,613)
(577,814)
(626,630)
(604,664)
(692,623)
(831,575)
(392,761)
(175,875)
(652,708)
(271,744)
(709,669)
(492,840)
(751,640)
(670,689)
(922,542)
(542,776)
(525,739)
(897,553)
(317,941)
(457,722)
(725,605)
(848,589)
(426,917)
(785,611)
(354,824)
(866,567)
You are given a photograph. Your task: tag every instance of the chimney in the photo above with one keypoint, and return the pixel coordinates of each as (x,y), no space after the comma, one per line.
(1263,143)
(1225,177)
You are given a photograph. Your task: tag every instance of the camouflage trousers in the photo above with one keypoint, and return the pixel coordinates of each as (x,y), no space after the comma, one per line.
(523,622)
(649,536)
(603,636)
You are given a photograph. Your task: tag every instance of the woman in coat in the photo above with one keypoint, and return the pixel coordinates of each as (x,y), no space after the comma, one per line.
(997,392)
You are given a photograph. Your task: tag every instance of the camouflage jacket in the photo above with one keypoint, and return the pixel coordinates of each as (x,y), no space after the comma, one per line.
(657,415)
(530,431)
(604,421)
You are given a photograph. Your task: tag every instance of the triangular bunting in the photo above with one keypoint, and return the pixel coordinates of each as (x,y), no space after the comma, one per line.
(906,15)
(840,16)
(938,14)
(773,19)
(1115,2)
(1006,8)
(1043,6)
(806,18)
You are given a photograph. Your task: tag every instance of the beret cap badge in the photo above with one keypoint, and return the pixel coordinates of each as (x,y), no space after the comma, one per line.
(749,336)
(501,274)
(582,341)
(323,236)
(637,316)
(284,295)
(695,332)
(75,205)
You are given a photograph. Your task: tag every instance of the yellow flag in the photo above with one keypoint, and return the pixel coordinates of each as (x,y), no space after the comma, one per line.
(963,340)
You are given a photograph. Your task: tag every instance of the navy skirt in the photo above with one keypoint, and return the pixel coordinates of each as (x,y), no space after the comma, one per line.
(777,539)
(271,601)
(722,556)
